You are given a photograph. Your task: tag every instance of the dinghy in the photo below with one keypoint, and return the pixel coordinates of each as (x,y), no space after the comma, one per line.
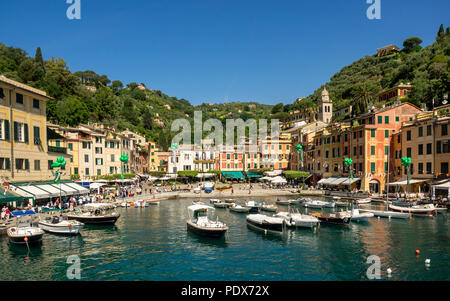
(358,215)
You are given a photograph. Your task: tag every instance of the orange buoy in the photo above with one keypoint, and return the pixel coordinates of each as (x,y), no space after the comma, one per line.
(26,239)
(417,252)
(70,225)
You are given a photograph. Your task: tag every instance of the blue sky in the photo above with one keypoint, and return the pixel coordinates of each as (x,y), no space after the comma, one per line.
(217,51)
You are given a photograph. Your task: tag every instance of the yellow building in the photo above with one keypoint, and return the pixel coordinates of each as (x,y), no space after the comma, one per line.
(24,153)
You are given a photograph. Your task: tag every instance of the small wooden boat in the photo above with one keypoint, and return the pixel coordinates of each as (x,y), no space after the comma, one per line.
(319,204)
(239,208)
(200,224)
(60,225)
(96,214)
(418,210)
(298,219)
(333,218)
(265,223)
(389,214)
(269,208)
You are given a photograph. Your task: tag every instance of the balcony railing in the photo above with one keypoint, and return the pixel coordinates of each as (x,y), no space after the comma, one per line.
(57,149)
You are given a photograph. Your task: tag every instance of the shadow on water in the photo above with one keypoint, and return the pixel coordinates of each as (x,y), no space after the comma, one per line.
(208,241)
(23,250)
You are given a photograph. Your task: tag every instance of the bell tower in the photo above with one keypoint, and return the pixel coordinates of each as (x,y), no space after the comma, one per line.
(325,107)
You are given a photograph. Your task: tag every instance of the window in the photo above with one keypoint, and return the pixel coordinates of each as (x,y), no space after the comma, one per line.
(22,164)
(429,168)
(86,171)
(360,167)
(354,151)
(380,119)
(50,162)
(444,167)
(58,143)
(99,172)
(70,146)
(75,170)
(360,150)
(372,167)
(386,150)
(397,119)
(408,152)
(37,135)
(4,129)
(386,119)
(444,130)
(360,134)
(19,98)
(420,134)
(5,163)
(112,158)
(428,130)
(420,169)
(420,152)
(385,167)
(372,150)
(429,145)
(20,132)
(372,133)
(229,156)
(99,161)
(386,133)
(36,104)
(37,164)
(86,158)
(408,136)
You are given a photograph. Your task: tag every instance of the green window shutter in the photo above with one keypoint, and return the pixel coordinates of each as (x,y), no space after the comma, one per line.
(7,130)
(372,167)
(75,170)
(380,119)
(386,119)
(16,131)
(27,164)
(372,133)
(36,133)
(397,118)
(386,133)
(7,163)
(25,129)
(385,167)
(70,146)
(372,150)
(386,150)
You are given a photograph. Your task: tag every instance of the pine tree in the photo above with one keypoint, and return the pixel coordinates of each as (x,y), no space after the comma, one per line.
(440,33)
(38,57)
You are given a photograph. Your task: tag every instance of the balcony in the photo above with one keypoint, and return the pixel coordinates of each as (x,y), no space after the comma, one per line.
(57,149)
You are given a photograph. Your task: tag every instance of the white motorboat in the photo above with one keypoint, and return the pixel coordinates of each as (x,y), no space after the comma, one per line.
(269,208)
(389,214)
(25,235)
(363,201)
(319,204)
(265,223)
(253,206)
(239,208)
(298,219)
(358,215)
(418,210)
(200,224)
(60,225)
(213,201)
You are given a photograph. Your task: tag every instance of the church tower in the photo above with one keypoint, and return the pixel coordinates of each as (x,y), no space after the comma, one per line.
(325,107)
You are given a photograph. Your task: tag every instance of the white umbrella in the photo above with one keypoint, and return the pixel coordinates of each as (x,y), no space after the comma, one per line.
(96,185)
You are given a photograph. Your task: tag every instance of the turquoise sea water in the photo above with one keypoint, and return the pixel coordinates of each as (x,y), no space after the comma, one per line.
(153,244)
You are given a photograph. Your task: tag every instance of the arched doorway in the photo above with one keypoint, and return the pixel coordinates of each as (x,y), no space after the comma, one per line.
(374,186)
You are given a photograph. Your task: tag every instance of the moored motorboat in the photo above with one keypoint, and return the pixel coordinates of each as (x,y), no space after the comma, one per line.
(60,225)
(319,204)
(200,224)
(265,223)
(298,219)
(221,205)
(269,208)
(96,214)
(213,201)
(337,218)
(358,215)
(343,203)
(386,213)
(239,208)
(253,206)
(140,204)
(152,202)
(24,233)
(418,210)
(363,201)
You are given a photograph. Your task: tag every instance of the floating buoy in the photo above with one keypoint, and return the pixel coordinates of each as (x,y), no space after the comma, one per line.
(70,225)
(417,252)
(427,261)
(26,239)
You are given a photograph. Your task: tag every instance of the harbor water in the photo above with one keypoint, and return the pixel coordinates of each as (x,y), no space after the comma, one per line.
(153,244)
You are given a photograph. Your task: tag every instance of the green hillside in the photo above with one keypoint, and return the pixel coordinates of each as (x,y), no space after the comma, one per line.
(427,68)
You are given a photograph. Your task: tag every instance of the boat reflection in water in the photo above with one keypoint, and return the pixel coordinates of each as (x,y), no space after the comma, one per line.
(200,224)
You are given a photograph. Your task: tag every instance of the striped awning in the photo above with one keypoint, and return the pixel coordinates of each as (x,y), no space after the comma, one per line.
(81,189)
(52,190)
